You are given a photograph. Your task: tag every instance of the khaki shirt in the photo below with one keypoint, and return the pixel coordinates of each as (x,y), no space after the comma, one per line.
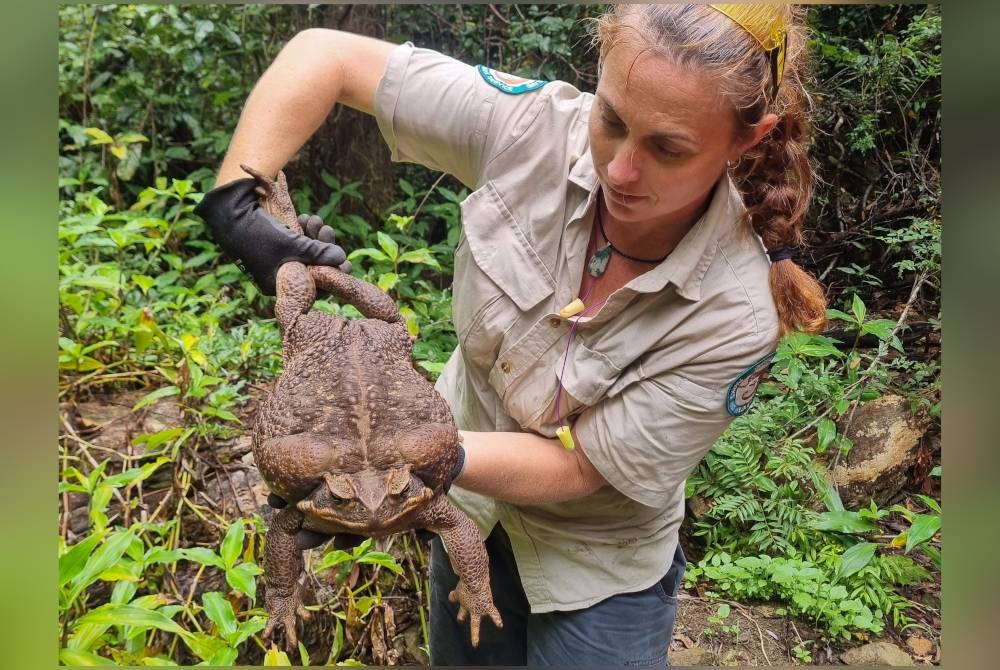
(646,378)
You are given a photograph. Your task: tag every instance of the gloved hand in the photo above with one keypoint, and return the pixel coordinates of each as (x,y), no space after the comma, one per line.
(317,230)
(259,242)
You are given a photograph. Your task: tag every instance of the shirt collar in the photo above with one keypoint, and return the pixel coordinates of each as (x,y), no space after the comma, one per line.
(687,264)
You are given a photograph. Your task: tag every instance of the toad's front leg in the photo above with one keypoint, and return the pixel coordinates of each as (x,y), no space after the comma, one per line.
(282,567)
(469,560)
(296,292)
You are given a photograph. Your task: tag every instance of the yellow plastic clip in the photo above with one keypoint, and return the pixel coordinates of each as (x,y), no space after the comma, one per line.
(572,309)
(566,437)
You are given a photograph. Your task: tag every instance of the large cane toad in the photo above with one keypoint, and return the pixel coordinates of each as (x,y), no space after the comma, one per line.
(352,436)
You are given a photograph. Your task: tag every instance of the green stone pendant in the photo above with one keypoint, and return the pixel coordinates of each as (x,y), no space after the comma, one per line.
(599,261)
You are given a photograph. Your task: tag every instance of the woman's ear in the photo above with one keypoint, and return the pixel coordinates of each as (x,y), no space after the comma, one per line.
(758,131)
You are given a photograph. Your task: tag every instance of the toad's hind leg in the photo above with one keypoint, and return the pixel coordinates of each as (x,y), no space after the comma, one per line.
(368,298)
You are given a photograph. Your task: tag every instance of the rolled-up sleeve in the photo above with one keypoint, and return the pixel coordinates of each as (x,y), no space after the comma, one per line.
(440,113)
(647,438)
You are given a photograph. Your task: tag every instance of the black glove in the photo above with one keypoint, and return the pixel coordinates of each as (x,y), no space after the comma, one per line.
(317,230)
(259,242)
(310,539)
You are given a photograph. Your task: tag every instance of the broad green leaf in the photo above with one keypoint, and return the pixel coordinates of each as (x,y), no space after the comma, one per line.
(133,475)
(923,528)
(381,558)
(243,578)
(224,657)
(204,646)
(930,502)
(220,611)
(837,314)
(130,615)
(388,245)
(842,522)
(157,661)
(249,627)
(421,256)
(162,392)
(73,657)
(831,498)
(880,328)
(374,254)
(856,558)
(275,656)
(109,285)
(826,431)
(203,555)
(388,281)
(232,543)
(163,555)
(103,558)
(98,136)
(128,138)
(332,559)
(859,309)
(72,562)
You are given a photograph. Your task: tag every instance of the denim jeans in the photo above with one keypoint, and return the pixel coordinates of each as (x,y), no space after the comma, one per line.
(628,629)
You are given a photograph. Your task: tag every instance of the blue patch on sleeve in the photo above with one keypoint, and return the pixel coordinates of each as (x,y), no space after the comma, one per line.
(744,387)
(513,85)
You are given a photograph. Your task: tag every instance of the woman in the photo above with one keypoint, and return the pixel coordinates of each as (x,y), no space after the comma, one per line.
(622,278)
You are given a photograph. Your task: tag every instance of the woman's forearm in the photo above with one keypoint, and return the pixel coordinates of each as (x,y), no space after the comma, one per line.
(525,468)
(316,69)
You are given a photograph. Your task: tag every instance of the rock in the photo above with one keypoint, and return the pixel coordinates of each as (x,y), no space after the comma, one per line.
(686,658)
(886,437)
(877,653)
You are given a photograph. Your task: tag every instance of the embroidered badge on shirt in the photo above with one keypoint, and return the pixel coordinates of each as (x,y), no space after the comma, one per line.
(509,83)
(742,389)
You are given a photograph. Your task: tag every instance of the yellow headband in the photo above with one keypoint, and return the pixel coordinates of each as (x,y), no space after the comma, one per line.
(766,23)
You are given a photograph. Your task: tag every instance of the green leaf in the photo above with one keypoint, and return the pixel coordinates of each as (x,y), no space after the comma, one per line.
(220,611)
(387,561)
(103,558)
(204,646)
(837,314)
(232,544)
(367,252)
(275,656)
(880,328)
(421,256)
(162,392)
(133,475)
(842,522)
(98,136)
(130,615)
(923,528)
(388,281)
(826,431)
(856,558)
(224,657)
(203,555)
(72,562)
(243,578)
(859,309)
(389,245)
(73,657)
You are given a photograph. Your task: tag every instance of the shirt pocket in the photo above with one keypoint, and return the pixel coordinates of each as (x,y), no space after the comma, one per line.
(498,275)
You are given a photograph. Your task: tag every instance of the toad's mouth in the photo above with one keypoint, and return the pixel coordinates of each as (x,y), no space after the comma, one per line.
(354,516)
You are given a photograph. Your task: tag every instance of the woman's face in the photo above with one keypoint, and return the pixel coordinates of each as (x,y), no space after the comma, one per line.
(660,137)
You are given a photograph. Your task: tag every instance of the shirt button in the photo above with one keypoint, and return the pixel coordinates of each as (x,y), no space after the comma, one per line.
(555,321)
(505,366)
